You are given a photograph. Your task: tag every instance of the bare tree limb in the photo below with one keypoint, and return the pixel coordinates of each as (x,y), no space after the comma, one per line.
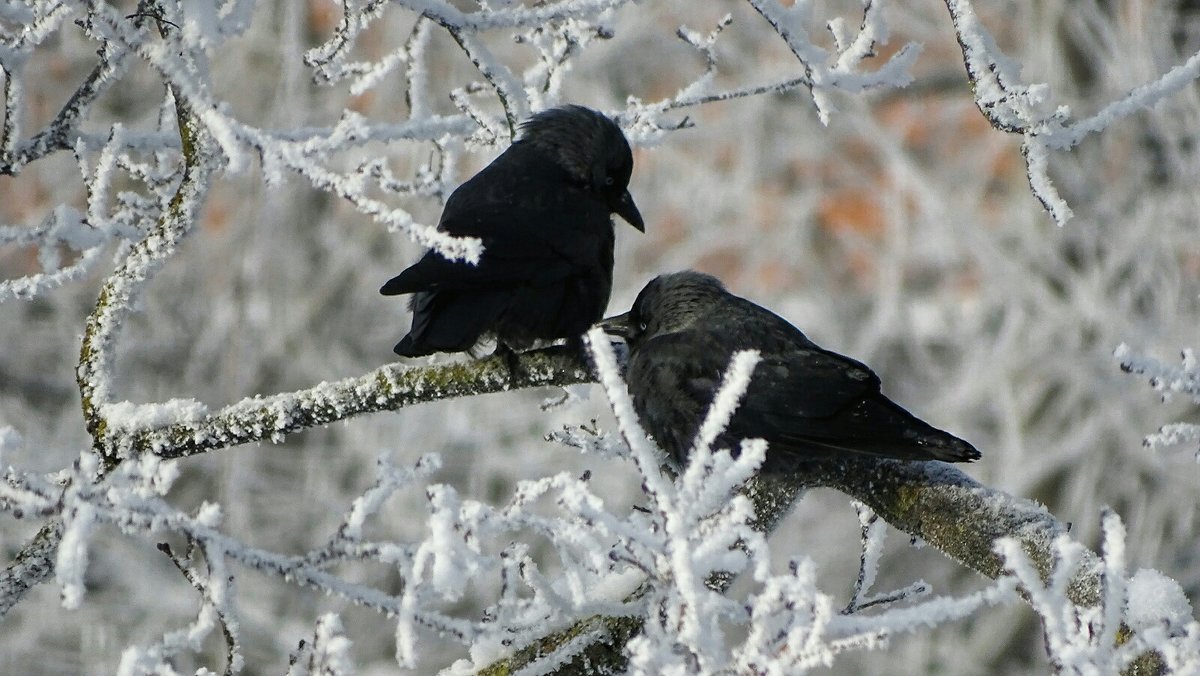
(33,565)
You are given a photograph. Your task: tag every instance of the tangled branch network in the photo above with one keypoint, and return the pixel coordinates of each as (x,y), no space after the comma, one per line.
(140,182)
(557,33)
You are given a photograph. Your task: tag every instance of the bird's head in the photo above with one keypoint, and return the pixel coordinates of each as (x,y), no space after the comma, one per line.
(669,303)
(592,149)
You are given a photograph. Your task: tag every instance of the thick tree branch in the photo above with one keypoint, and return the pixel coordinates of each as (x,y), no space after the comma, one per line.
(34,565)
(387,388)
(954,513)
(963,518)
(116,300)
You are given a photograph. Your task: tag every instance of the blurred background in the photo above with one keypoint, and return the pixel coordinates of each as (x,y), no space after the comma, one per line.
(903,234)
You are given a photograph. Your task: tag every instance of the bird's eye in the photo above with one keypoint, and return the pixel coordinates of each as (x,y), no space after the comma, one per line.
(642,326)
(608,180)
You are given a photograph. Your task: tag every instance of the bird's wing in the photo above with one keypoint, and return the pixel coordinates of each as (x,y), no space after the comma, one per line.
(805,383)
(667,385)
(794,379)
(811,403)
(806,401)
(434,272)
(802,396)
(532,224)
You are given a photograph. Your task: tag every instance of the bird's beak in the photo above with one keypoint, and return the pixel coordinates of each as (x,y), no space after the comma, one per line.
(618,325)
(628,210)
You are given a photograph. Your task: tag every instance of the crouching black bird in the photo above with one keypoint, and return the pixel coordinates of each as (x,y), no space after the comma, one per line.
(543,210)
(805,401)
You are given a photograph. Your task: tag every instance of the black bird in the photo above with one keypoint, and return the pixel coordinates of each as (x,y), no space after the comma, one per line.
(543,209)
(805,401)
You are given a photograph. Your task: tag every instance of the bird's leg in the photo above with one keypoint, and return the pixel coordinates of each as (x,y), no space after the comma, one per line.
(512,360)
(575,347)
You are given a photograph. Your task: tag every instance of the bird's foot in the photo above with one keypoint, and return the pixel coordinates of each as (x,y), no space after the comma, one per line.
(512,361)
(575,348)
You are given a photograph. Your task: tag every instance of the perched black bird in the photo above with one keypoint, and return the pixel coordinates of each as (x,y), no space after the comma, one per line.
(805,401)
(543,209)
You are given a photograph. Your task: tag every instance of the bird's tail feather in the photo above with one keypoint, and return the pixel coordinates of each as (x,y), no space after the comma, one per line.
(448,322)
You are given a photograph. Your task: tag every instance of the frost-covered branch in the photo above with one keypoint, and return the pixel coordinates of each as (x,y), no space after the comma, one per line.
(119,295)
(33,564)
(116,300)
(1017,108)
(178,429)
(872,532)
(216,589)
(951,511)
(557,32)
(327,653)
(1140,623)
(1168,381)
(821,71)
(61,132)
(965,520)
(827,71)
(458,546)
